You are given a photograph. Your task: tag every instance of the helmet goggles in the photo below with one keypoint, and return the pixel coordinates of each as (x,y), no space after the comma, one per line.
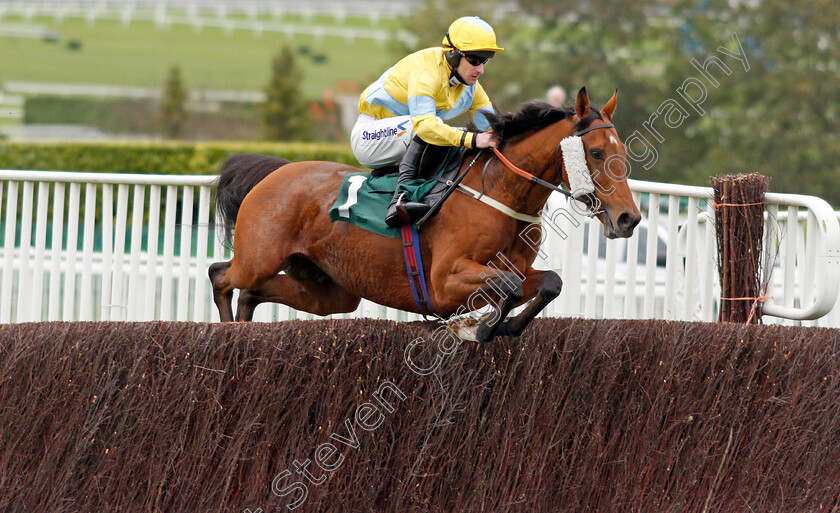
(474,58)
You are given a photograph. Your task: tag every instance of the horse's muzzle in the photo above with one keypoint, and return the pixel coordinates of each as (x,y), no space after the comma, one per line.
(623,225)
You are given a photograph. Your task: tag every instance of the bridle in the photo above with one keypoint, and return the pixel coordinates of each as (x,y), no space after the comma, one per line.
(591,128)
(588,199)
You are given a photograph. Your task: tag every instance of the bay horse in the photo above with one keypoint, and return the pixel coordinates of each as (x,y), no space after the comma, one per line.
(281,223)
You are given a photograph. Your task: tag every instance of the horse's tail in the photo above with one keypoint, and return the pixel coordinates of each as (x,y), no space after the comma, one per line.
(240,173)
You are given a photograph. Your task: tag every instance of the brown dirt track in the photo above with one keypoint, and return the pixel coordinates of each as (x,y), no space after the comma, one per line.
(576,415)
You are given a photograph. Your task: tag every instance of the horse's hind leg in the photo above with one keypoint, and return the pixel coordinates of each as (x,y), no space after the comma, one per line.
(222,291)
(320,297)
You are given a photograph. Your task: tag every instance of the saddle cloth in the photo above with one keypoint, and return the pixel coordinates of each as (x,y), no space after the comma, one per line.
(363,198)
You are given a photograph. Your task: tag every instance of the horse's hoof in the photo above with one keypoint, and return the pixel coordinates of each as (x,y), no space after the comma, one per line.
(504,330)
(472,329)
(483,338)
(482,334)
(465,328)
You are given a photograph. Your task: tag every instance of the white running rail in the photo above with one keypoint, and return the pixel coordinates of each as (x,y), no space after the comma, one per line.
(104,246)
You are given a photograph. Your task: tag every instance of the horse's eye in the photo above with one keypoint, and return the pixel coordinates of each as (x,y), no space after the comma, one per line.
(596,153)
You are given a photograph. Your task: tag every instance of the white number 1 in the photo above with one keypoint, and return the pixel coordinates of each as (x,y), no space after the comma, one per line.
(356,182)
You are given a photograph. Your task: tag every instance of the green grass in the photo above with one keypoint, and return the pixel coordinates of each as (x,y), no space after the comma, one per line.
(141,54)
(349,21)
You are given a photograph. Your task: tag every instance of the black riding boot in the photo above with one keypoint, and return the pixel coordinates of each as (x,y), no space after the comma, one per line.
(401,211)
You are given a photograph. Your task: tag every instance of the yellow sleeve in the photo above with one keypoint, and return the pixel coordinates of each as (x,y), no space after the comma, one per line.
(423,88)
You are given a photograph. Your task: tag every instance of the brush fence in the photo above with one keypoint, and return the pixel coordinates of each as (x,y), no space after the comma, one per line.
(97,246)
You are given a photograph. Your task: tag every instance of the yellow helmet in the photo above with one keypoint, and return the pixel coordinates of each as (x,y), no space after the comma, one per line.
(471,34)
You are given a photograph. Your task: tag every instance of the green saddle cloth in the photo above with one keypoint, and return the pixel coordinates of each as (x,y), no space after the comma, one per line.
(363,200)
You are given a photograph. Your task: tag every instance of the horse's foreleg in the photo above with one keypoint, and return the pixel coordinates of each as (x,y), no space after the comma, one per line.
(476,284)
(510,292)
(320,297)
(543,286)
(222,291)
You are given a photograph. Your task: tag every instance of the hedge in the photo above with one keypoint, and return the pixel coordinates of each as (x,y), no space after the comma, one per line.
(576,415)
(177,158)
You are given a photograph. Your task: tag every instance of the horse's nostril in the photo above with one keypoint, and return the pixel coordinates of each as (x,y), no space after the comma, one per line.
(627,221)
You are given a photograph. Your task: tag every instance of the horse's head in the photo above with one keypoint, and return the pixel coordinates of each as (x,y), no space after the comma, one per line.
(537,135)
(605,158)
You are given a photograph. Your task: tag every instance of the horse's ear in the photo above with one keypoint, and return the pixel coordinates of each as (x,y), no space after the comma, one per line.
(609,108)
(582,104)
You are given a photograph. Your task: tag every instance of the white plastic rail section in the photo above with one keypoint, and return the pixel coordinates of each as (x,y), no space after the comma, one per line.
(818,265)
(110,283)
(134,277)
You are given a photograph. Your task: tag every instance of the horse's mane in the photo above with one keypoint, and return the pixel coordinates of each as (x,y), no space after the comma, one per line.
(532,116)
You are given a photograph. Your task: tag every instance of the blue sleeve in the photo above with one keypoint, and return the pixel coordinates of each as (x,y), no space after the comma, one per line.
(481,121)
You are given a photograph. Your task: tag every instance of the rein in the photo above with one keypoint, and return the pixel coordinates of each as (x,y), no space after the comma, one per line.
(588,199)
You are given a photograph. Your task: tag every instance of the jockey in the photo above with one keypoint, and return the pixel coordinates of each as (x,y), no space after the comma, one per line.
(402,112)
